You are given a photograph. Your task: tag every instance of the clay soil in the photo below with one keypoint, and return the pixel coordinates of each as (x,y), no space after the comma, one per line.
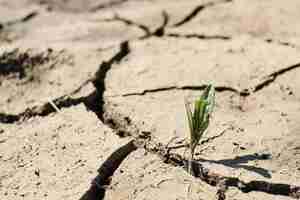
(80,79)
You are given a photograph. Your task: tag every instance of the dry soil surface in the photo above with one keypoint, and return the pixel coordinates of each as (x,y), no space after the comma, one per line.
(80,79)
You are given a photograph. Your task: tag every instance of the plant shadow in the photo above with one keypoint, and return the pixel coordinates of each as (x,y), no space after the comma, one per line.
(238,162)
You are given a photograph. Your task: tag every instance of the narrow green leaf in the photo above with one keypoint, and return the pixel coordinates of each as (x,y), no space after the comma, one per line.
(189,115)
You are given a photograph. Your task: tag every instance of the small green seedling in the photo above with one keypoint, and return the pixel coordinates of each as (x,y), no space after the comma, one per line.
(199,118)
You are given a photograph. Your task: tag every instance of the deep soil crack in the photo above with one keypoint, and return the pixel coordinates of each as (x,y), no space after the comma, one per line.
(94,101)
(99,80)
(106,171)
(9,118)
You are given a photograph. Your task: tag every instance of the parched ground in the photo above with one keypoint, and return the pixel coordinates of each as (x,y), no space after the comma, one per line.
(80,79)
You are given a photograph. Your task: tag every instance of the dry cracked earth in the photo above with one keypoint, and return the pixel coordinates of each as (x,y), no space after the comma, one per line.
(92,96)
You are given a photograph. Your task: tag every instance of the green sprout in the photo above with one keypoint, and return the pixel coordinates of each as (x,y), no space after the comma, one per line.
(199,119)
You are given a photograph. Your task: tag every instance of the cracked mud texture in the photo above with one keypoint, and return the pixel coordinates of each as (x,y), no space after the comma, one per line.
(93,59)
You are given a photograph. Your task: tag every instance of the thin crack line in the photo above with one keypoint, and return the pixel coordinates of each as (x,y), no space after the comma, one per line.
(186,87)
(203,36)
(196,10)
(158,32)
(26,18)
(107,5)
(244,92)
(273,76)
(129,22)
(270,40)
(199,36)
(144,92)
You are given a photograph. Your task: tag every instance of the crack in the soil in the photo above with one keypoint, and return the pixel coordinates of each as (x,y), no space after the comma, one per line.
(196,10)
(244,92)
(129,22)
(94,101)
(199,36)
(272,77)
(222,37)
(106,171)
(160,31)
(149,143)
(109,4)
(45,109)
(270,40)
(26,18)
(99,80)
(186,87)
(9,118)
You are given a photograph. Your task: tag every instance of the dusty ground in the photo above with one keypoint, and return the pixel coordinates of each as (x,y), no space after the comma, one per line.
(100,62)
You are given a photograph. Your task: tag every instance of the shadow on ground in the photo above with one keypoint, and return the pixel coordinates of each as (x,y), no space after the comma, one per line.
(238,161)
